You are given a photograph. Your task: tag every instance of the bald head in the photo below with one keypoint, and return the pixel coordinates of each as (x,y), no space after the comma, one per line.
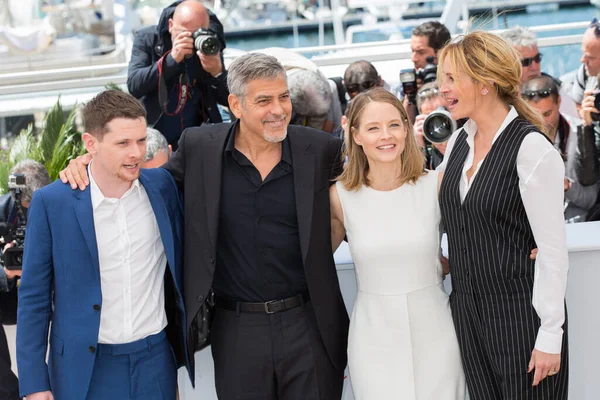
(590,47)
(189,15)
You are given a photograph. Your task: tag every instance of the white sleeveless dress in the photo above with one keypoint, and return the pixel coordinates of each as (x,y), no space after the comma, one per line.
(402,343)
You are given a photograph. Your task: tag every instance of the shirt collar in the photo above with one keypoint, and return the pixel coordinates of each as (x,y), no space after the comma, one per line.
(97,195)
(471,128)
(286,152)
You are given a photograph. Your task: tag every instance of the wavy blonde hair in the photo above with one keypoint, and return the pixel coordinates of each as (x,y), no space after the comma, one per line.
(487,59)
(357,169)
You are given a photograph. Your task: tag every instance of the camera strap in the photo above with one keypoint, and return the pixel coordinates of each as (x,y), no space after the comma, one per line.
(163,93)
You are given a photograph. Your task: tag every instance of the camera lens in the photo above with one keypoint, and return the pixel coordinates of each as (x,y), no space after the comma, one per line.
(439,126)
(208,45)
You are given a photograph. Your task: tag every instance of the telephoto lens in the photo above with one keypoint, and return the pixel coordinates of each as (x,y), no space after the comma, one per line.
(439,125)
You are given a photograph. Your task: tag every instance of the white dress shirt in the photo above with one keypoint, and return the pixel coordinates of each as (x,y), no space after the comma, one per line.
(541,174)
(132,265)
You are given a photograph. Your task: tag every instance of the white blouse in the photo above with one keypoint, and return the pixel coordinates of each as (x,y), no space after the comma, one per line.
(541,174)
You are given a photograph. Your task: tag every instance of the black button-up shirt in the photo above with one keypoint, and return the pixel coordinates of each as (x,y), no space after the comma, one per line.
(258,248)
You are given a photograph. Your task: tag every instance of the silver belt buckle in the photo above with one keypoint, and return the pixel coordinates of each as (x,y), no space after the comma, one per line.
(267,306)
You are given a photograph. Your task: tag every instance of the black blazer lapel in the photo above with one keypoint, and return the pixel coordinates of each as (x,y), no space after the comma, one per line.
(85,217)
(303,163)
(212,166)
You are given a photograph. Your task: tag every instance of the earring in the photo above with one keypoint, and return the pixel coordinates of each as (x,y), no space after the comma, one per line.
(484,92)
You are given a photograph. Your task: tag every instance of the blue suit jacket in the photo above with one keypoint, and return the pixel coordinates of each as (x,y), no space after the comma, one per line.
(61,281)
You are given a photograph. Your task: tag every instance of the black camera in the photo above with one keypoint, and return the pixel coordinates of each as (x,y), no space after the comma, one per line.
(596,116)
(439,125)
(206,41)
(408,78)
(14,230)
(429,71)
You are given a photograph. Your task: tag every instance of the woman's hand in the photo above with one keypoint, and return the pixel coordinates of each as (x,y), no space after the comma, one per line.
(545,364)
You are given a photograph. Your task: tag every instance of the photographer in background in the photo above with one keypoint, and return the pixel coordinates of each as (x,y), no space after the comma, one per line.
(432,135)
(525,43)
(311,99)
(542,93)
(359,77)
(158,151)
(36,177)
(426,41)
(177,69)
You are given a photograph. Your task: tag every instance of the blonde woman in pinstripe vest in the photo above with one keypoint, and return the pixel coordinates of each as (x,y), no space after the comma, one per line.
(502,195)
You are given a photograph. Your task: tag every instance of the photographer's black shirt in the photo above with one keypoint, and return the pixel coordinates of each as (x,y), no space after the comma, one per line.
(258,247)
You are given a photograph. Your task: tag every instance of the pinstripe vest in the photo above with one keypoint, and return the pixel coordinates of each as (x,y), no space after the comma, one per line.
(489,235)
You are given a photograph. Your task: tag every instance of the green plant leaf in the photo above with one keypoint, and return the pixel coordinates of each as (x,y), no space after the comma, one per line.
(53,124)
(23,146)
(67,146)
(112,86)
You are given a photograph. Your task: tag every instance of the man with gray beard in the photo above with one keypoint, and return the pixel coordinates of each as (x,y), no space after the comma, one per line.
(257,240)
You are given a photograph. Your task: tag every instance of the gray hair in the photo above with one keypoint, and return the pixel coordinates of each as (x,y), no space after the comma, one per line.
(155,142)
(36,177)
(310,93)
(428,91)
(249,67)
(518,36)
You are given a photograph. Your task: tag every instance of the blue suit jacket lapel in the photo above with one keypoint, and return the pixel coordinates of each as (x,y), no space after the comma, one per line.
(162,219)
(85,216)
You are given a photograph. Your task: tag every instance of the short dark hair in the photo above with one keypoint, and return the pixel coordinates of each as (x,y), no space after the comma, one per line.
(436,32)
(543,82)
(109,105)
(360,72)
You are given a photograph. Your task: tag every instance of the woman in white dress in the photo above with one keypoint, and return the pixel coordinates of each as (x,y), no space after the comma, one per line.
(402,342)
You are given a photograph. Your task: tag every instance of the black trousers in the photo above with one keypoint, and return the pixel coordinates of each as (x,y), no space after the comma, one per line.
(272,357)
(9,384)
(496,335)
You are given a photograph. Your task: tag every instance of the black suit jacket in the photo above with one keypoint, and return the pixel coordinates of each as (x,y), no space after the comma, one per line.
(316,161)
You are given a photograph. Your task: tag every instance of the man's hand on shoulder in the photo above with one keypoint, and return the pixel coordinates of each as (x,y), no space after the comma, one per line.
(211,64)
(76,173)
(40,396)
(182,46)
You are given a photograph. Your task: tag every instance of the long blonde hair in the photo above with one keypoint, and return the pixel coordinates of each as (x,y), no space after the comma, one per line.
(357,169)
(486,58)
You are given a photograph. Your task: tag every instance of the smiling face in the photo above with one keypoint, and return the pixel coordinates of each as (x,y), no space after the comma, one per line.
(265,110)
(381,133)
(461,93)
(119,153)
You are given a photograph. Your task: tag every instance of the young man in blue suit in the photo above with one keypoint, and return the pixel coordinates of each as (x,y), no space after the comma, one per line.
(103,266)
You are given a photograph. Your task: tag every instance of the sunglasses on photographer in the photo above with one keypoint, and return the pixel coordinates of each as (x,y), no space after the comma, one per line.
(360,87)
(526,62)
(541,93)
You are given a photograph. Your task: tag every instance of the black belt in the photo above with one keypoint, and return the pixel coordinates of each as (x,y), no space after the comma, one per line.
(269,307)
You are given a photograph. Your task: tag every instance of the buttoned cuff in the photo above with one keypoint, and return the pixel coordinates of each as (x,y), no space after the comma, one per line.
(548,342)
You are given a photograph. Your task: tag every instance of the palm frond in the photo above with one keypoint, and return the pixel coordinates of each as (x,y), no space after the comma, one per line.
(67,146)
(53,125)
(4,171)
(23,146)
(112,86)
